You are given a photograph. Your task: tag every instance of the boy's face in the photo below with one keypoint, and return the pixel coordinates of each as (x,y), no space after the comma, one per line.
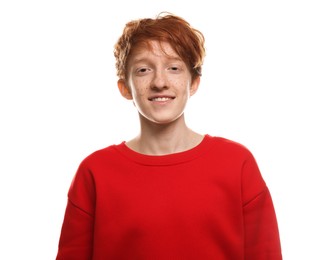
(158,82)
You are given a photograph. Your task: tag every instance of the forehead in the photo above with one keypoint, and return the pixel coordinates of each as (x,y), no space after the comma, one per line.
(155,48)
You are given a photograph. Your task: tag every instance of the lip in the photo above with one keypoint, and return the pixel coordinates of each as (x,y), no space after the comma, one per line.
(161,98)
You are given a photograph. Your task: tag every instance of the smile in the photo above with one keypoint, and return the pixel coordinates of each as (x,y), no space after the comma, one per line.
(160,99)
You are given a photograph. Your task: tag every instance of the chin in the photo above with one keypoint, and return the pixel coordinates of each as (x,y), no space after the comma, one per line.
(164,121)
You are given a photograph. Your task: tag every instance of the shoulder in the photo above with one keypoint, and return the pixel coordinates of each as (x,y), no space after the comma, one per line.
(237,156)
(106,154)
(228,146)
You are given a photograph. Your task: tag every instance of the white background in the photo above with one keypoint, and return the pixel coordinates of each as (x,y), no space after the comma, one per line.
(263,86)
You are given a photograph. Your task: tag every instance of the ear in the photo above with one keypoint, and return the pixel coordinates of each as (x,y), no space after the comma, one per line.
(195,85)
(124,89)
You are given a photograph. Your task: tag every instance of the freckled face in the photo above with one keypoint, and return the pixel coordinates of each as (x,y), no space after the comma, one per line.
(159,82)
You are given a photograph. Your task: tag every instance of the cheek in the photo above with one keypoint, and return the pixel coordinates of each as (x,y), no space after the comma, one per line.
(140,87)
(143,91)
(183,86)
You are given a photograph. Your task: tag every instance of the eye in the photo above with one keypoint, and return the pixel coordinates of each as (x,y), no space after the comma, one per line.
(175,69)
(142,70)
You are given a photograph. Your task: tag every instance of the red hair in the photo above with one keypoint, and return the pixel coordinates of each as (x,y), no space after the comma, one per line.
(186,41)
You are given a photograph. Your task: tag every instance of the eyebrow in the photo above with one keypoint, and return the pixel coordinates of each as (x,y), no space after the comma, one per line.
(145,59)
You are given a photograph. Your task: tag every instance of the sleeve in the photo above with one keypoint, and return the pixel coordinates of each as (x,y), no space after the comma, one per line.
(262,241)
(76,237)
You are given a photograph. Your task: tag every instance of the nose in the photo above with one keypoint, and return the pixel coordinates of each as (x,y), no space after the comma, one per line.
(159,80)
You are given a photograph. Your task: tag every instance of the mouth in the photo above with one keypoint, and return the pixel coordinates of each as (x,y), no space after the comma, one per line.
(161,99)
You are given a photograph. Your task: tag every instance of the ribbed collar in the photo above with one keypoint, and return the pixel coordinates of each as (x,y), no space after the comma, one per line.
(169,159)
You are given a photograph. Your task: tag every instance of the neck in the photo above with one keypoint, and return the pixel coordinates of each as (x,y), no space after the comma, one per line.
(162,139)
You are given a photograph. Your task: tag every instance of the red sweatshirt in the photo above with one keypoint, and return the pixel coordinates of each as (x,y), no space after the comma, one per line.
(209,202)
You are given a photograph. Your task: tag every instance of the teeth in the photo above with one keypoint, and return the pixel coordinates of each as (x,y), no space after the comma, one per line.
(161,99)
